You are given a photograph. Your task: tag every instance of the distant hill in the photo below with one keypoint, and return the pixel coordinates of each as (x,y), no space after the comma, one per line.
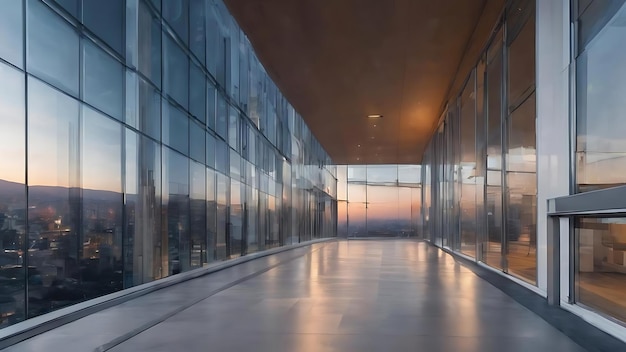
(15,191)
(11,189)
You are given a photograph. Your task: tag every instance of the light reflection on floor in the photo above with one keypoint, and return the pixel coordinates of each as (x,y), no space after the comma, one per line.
(387,295)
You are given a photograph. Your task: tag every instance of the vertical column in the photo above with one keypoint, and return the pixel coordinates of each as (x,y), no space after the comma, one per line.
(553,117)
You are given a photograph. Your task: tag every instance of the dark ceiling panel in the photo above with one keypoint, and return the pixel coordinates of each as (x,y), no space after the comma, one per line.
(337,61)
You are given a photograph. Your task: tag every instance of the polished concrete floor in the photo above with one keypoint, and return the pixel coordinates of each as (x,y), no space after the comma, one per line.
(375,295)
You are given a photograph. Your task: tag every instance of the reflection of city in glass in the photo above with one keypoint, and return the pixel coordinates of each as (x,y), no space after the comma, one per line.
(378,200)
(156,149)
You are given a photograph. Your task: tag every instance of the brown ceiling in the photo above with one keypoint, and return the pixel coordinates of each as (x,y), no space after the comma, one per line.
(337,61)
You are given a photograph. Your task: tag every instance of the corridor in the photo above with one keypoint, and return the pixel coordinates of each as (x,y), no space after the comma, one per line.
(357,295)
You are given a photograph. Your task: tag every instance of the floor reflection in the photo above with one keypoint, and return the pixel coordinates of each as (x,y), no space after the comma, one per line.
(357,295)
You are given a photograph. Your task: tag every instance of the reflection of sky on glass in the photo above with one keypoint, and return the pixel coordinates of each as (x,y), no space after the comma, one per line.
(604,128)
(342,179)
(373,193)
(12,124)
(601,127)
(198,181)
(11,37)
(52,136)
(383,202)
(356,173)
(101,152)
(382,173)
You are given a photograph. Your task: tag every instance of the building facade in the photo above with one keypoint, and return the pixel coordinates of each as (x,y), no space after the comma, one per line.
(524,173)
(141,139)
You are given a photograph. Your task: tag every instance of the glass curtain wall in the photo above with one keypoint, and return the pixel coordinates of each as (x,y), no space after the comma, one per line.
(153,142)
(380,200)
(600,241)
(479,169)
(600,81)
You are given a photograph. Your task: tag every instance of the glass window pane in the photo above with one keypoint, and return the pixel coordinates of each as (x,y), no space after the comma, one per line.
(149,110)
(357,220)
(149,44)
(382,211)
(236,219)
(210,150)
(53,216)
(381,174)
(175,128)
(101,181)
(142,259)
(357,193)
(252,201)
(105,19)
(104,172)
(12,193)
(131,100)
(235,164)
(211,214)
(357,173)
(12,120)
(70,6)
(233,128)
(198,213)
(197,93)
(197,31)
(342,182)
(223,197)
(11,33)
(244,72)
(176,13)
(600,259)
(222,117)
(197,135)
(594,18)
(211,106)
(521,234)
(601,147)
(214,41)
(522,63)
(232,57)
(221,157)
(409,174)
(176,210)
(342,219)
(493,245)
(251,144)
(103,80)
(468,168)
(176,83)
(53,48)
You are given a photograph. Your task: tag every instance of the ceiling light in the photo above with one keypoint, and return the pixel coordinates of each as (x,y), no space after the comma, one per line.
(374,125)
(372,137)
(358,145)
(375,116)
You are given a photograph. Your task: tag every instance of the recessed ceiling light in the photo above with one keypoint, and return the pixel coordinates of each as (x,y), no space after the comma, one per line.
(372,137)
(358,159)
(358,145)
(375,116)
(374,125)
